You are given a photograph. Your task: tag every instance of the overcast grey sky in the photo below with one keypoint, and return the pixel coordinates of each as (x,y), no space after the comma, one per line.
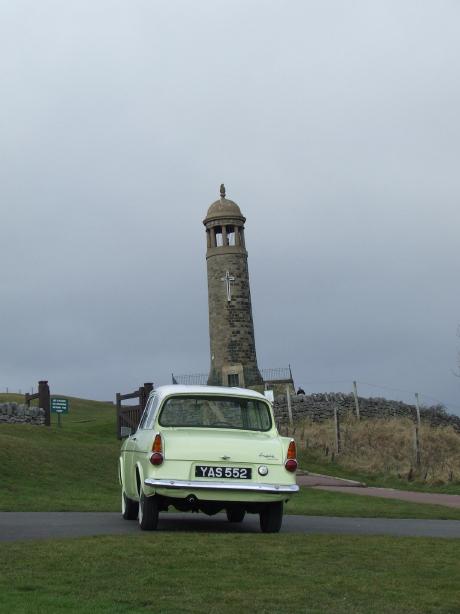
(335,127)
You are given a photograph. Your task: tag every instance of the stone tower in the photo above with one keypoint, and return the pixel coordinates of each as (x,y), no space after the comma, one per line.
(231,329)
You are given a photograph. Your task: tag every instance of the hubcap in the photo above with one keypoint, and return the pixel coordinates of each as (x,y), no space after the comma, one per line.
(141,511)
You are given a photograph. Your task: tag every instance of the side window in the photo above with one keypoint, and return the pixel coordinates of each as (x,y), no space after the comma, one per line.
(151,411)
(144,415)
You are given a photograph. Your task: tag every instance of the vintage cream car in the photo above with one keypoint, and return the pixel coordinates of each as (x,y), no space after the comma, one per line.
(204,448)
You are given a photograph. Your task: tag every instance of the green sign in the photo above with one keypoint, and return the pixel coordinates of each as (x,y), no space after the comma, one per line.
(59,406)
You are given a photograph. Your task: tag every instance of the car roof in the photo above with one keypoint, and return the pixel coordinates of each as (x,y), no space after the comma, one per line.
(165,391)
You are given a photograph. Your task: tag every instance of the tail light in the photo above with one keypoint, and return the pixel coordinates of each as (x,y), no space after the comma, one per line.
(156,458)
(291,461)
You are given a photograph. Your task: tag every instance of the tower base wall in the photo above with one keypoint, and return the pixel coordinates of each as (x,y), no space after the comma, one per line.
(247,375)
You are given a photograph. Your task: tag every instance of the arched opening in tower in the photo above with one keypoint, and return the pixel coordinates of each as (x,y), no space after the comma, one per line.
(231,235)
(219,236)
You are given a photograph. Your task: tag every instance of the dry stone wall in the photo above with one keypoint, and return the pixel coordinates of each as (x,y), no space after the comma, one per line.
(14,413)
(319,407)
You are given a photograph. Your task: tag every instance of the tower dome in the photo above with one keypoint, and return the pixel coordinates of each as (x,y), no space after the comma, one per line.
(223,208)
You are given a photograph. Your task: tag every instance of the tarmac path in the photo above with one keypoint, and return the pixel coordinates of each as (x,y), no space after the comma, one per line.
(325,482)
(44,525)
(401,495)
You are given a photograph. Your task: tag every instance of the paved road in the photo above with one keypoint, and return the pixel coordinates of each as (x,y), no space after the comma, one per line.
(43,525)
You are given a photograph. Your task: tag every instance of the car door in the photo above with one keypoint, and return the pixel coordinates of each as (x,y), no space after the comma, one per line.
(130,450)
(129,481)
(141,441)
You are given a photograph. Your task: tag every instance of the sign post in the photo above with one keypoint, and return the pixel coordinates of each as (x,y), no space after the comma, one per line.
(59,407)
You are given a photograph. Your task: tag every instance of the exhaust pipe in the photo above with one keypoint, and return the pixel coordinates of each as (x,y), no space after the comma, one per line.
(192,500)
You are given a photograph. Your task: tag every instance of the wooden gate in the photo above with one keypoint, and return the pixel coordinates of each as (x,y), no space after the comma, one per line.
(129,415)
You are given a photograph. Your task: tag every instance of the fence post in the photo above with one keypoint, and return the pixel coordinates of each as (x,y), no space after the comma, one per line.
(117,409)
(142,398)
(288,398)
(417,408)
(44,400)
(290,375)
(355,394)
(148,387)
(417,447)
(337,430)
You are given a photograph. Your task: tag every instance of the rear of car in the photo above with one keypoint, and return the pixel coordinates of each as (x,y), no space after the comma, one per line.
(210,449)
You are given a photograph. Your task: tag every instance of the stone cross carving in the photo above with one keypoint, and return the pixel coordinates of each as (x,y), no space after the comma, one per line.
(228,280)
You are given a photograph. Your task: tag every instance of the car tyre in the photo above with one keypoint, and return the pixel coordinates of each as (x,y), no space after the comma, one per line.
(129,508)
(235,514)
(271,517)
(148,513)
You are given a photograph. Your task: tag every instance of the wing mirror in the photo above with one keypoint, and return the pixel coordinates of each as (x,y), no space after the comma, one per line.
(125,431)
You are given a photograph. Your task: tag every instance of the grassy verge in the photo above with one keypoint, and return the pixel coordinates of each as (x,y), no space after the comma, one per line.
(315,464)
(68,468)
(381,452)
(225,573)
(313,502)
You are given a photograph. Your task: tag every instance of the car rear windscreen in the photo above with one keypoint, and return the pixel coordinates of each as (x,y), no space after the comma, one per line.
(216,412)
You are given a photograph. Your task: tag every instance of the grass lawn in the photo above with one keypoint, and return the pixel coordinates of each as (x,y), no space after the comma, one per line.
(231,573)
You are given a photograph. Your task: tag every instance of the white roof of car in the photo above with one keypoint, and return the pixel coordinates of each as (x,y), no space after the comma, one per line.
(165,391)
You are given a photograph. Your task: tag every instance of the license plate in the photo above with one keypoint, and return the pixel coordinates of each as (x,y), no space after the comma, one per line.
(230,473)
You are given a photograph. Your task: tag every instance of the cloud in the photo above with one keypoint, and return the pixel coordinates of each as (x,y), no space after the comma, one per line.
(335,129)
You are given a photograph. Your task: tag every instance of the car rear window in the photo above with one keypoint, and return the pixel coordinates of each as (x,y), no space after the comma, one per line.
(216,412)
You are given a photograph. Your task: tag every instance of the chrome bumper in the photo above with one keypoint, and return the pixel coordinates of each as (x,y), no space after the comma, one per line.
(194,485)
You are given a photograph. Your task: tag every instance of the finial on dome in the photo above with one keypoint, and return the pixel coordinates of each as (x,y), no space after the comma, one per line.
(222,190)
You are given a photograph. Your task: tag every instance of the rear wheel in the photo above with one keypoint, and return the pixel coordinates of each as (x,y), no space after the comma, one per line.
(148,513)
(271,517)
(235,514)
(129,508)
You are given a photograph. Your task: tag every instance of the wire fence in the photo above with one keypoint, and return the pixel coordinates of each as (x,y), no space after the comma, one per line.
(284,373)
(9,390)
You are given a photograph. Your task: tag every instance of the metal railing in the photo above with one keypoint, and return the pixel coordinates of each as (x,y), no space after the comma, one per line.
(279,374)
(200,379)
